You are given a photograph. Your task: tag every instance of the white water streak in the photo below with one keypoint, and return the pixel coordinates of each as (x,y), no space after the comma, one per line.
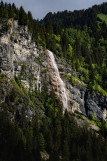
(38,80)
(59,81)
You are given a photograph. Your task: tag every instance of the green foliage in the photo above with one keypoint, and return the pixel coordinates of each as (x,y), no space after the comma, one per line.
(82,42)
(94,116)
(103,17)
(76,37)
(14,143)
(22,16)
(56,134)
(100,90)
(41,142)
(53,43)
(96,87)
(74,80)
(2,77)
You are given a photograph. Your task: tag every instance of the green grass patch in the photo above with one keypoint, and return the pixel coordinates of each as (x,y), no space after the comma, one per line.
(74,80)
(103,17)
(94,121)
(99,89)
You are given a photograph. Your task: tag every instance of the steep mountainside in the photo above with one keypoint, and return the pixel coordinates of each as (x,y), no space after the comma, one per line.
(77,19)
(21,59)
(53,93)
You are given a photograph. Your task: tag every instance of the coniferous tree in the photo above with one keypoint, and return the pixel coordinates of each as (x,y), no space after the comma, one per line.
(22,17)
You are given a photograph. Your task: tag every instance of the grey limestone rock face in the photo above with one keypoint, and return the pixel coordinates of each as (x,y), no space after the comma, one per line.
(19,57)
(5,88)
(6,57)
(81,99)
(95,103)
(22,58)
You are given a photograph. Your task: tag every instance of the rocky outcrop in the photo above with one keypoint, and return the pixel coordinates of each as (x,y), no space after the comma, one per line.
(80,98)
(6,58)
(21,58)
(95,104)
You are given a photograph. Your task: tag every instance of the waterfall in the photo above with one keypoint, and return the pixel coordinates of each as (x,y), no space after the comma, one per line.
(61,89)
(38,80)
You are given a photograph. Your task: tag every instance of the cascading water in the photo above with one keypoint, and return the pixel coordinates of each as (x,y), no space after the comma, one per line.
(61,90)
(38,80)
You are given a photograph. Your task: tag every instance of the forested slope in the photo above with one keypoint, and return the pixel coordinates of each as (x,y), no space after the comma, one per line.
(32,124)
(81,38)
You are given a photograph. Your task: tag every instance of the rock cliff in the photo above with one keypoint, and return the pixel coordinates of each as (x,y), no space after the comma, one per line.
(19,57)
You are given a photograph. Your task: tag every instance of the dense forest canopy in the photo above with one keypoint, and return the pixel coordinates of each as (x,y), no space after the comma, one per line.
(80,37)
(83,42)
(77,19)
(56,136)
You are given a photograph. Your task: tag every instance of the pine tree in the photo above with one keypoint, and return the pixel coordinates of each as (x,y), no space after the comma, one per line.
(23,20)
